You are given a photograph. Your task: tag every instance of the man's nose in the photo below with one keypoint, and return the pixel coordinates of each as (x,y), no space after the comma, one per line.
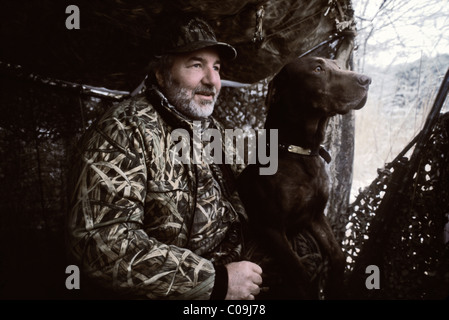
(212,77)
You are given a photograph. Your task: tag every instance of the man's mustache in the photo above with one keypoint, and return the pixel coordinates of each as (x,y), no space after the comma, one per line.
(205,91)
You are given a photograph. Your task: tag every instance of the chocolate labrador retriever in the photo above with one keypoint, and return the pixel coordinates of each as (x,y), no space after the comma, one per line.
(301,99)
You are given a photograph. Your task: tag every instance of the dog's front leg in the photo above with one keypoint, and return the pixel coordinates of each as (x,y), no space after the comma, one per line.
(298,284)
(324,235)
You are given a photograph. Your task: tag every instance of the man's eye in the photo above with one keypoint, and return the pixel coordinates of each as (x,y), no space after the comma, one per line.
(196,65)
(217,68)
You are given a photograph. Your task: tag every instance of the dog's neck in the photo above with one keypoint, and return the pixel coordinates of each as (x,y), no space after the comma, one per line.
(307,132)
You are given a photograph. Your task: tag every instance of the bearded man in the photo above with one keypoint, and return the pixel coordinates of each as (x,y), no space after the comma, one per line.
(143,223)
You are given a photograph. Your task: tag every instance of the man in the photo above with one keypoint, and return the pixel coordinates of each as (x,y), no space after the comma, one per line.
(143,223)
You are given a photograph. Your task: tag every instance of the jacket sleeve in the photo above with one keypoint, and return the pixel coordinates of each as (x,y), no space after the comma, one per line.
(105,225)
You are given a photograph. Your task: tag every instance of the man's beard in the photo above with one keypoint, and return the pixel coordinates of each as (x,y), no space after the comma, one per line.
(183,99)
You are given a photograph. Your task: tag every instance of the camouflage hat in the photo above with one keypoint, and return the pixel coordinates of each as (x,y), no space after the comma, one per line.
(194,35)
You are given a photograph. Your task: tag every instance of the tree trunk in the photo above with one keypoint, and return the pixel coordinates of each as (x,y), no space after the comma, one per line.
(340,144)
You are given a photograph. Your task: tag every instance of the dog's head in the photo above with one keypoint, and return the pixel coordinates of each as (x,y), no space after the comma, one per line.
(319,84)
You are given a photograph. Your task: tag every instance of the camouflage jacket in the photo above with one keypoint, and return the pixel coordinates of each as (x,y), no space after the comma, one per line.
(142,222)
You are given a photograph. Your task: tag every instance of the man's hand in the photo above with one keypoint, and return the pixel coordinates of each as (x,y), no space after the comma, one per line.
(244,280)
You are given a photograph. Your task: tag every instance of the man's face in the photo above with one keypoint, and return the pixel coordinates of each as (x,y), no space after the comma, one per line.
(193,83)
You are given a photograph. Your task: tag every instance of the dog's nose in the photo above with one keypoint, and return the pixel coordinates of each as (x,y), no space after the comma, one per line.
(364,80)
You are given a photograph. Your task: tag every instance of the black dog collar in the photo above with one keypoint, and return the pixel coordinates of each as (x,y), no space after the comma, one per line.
(306,152)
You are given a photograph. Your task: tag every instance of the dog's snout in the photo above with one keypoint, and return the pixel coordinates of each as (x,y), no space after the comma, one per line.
(364,80)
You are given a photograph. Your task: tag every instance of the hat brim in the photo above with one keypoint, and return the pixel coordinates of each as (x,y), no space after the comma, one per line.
(225,51)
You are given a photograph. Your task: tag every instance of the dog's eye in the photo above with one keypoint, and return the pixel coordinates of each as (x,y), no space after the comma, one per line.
(318,69)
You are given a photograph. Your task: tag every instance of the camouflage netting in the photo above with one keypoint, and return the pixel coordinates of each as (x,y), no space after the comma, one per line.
(398,222)
(116,40)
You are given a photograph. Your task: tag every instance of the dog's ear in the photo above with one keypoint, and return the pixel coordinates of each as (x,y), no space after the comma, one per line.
(274,88)
(270,94)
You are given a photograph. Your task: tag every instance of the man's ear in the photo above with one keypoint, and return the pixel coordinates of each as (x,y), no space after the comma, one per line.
(159,78)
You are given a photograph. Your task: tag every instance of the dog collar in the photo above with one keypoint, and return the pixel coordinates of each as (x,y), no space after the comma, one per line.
(306,152)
